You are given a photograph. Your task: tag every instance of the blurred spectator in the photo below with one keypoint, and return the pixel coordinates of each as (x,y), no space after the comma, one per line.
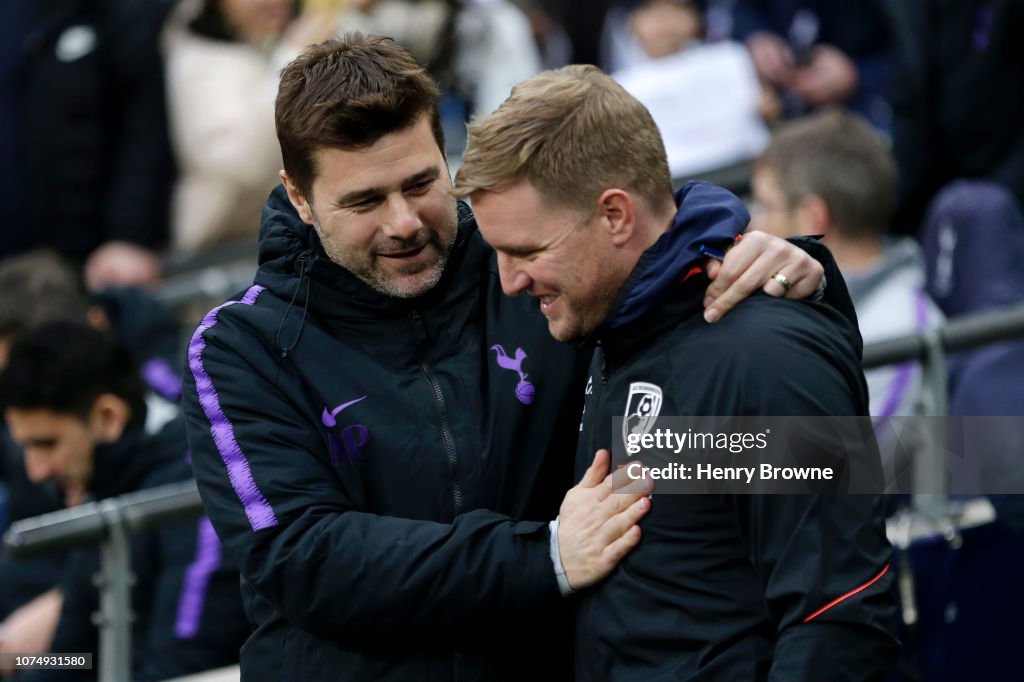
(665,27)
(23,580)
(90,134)
(831,174)
(669,68)
(959,107)
(480,47)
(73,400)
(40,287)
(594,32)
(639,31)
(495,50)
(583,24)
(222,59)
(551,37)
(820,52)
(972,227)
(419,25)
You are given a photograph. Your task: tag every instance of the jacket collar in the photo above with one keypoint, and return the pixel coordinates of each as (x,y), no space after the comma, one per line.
(661,290)
(119,467)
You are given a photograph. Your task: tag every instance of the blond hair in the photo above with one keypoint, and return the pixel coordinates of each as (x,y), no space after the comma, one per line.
(571,133)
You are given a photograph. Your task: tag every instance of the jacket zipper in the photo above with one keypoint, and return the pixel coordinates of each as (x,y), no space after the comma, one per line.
(604,364)
(449,447)
(446,431)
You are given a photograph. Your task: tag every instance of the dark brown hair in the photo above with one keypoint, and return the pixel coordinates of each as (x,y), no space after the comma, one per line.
(348,93)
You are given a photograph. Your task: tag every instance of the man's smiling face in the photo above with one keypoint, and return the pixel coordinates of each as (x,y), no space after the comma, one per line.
(385,212)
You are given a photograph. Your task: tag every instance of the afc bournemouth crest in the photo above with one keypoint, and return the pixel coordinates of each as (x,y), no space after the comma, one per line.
(642,408)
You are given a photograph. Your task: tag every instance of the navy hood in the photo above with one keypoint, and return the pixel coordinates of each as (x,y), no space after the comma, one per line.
(973,240)
(707,215)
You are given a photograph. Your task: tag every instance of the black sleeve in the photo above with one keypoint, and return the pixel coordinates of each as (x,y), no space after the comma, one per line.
(836,294)
(303,544)
(195,622)
(823,559)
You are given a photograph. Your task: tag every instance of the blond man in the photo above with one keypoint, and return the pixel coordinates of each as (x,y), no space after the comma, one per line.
(570,185)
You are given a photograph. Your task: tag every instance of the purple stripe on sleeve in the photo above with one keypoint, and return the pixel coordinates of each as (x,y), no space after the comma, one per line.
(197,579)
(252,294)
(161,378)
(256,506)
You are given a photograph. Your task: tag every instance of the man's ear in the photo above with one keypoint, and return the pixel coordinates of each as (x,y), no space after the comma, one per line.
(97,318)
(302,207)
(813,216)
(617,211)
(109,418)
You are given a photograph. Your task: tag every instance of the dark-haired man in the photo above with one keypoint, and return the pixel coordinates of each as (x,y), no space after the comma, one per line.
(372,420)
(73,401)
(151,333)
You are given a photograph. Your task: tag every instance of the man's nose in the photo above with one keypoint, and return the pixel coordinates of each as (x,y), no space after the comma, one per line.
(513,280)
(37,469)
(403,221)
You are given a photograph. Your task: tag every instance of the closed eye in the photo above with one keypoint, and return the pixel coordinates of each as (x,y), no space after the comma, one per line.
(420,187)
(521,253)
(367,204)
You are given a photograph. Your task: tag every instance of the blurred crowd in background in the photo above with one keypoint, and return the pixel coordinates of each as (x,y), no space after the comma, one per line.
(137,137)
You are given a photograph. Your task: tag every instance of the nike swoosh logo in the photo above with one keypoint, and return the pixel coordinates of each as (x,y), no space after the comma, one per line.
(328,418)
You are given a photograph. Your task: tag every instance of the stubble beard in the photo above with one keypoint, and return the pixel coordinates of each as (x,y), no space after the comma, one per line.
(373,276)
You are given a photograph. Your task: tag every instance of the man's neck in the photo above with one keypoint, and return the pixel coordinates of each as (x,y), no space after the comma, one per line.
(854,255)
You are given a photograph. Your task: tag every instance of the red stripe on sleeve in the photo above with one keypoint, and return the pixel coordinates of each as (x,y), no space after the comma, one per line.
(846,596)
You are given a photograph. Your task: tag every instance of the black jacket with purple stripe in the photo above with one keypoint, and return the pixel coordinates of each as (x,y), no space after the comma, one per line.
(186,604)
(384,469)
(788,588)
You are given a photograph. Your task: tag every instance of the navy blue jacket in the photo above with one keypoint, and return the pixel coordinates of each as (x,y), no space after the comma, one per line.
(740,587)
(368,461)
